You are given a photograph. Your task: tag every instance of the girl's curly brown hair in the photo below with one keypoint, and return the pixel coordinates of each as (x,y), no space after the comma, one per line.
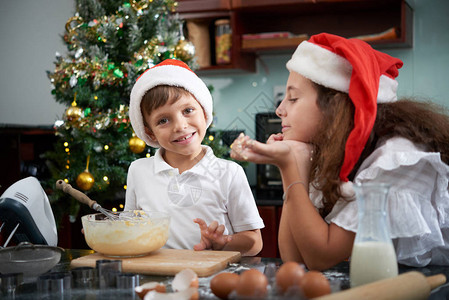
(423,123)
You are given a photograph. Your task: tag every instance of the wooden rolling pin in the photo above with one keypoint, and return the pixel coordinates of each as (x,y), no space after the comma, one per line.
(407,286)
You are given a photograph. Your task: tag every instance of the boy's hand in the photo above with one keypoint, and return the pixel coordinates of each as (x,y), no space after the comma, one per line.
(212,236)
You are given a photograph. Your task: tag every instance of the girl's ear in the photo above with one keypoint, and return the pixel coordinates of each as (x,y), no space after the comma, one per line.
(150,134)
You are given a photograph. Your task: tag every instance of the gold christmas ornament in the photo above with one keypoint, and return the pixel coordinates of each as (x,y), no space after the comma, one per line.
(136,145)
(73,113)
(184,50)
(85,180)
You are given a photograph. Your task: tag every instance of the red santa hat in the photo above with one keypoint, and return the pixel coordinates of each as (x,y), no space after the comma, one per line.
(170,72)
(354,67)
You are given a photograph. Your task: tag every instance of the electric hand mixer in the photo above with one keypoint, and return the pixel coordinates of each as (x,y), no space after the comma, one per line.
(26,213)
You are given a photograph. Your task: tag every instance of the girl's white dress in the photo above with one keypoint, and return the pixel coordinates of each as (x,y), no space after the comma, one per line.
(418,201)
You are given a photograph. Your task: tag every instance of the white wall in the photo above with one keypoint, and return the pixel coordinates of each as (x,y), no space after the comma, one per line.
(30,35)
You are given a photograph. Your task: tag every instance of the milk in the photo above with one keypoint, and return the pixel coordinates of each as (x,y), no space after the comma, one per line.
(372,261)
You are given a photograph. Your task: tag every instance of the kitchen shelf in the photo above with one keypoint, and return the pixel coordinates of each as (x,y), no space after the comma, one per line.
(256,45)
(303,18)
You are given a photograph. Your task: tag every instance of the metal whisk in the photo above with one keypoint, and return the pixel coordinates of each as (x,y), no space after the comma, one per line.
(83,198)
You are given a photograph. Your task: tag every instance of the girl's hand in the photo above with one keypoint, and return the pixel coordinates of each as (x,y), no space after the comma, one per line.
(276,151)
(212,236)
(244,148)
(275,137)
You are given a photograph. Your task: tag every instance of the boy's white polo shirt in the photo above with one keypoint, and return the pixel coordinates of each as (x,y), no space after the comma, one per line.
(213,190)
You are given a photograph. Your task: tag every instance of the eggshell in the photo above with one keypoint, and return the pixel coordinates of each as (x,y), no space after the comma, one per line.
(143,289)
(223,284)
(252,283)
(289,274)
(314,284)
(184,280)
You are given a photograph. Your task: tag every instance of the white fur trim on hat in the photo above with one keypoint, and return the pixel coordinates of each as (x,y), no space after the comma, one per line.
(388,88)
(321,66)
(333,71)
(172,75)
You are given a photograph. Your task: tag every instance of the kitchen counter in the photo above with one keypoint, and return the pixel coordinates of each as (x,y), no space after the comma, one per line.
(338,276)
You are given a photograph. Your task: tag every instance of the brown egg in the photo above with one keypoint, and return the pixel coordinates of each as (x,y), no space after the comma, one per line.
(314,284)
(289,274)
(252,283)
(223,284)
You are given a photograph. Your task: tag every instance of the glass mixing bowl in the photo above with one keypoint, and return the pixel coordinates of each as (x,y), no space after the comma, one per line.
(135,233)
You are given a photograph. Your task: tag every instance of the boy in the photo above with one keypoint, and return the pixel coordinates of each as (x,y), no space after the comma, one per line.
(171,109)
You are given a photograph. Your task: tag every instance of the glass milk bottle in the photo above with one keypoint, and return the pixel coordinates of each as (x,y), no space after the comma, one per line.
(373,257)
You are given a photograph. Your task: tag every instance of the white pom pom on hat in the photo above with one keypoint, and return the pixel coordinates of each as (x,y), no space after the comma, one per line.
(170,72)
(354,67)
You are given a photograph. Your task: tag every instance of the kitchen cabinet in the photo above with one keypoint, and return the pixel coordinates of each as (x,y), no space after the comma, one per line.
(20,154)
(271,215)
(204,13)
(300,18)
(21,151)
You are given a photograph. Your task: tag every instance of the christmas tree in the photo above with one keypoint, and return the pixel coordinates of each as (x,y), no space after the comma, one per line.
(109,44)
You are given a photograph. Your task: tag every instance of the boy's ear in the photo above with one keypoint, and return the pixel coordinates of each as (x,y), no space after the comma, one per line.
(150,134)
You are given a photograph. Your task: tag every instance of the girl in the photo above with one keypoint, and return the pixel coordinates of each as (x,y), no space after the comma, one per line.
(341,124)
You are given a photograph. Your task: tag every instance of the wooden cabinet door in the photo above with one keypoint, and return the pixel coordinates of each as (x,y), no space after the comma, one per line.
(269,215)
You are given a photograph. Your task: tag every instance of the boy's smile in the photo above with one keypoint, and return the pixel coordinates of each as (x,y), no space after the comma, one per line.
(179,127)
(185,139)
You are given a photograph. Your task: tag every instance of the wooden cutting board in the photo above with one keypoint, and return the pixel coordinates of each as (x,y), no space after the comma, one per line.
(169,261)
